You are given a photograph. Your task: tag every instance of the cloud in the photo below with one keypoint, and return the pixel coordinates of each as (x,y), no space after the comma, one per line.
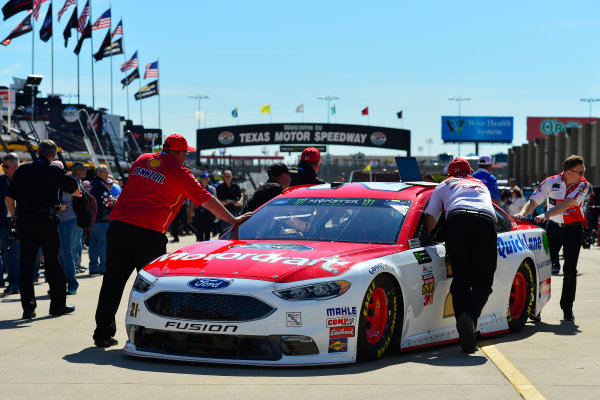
(10,69)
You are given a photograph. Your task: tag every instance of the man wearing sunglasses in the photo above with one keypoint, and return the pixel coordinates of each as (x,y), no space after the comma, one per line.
(564,216)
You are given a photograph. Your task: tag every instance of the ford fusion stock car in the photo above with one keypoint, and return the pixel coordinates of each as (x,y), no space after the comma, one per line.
(326,274)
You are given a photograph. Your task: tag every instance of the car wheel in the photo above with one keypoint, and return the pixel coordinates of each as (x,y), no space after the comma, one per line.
(378,321)
(521,299)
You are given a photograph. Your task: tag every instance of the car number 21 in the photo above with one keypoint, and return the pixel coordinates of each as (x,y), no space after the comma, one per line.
(134,310)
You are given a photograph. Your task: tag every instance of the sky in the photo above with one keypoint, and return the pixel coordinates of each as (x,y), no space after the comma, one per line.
(511,58)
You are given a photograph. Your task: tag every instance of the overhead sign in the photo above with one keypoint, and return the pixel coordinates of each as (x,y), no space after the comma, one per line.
(477,129)
(300,148)
(308,134)
(540,127)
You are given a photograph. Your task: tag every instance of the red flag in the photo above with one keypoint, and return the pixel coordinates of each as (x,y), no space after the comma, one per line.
(365,111)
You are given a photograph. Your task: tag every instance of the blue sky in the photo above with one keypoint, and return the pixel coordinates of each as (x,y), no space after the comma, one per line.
(514,58)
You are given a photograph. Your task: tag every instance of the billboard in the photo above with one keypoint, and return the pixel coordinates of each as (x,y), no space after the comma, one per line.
(540,127)
(305,134)
(7,106)
(477,129)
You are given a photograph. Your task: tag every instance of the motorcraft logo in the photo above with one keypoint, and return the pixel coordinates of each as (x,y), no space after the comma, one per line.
(344,331)
(209,283)
(226,137)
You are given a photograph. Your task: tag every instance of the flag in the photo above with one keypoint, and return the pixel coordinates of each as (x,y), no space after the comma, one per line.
(118,30)
(46,30)
(333,109)
(365,111)
(36,8)
(103,21)
(87,33)
(99,55)
(64,8)
(151,70)
(367,168)
(72,24)
(234,112)
(132,63)
(83,17)
(21,29)
(130,78)
(92,121)
(399,114)
(300,108)
(16,6)
(265,109)
(149,90)
(200,114)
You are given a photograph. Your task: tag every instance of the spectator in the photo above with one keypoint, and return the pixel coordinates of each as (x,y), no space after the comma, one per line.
(113,186)
(279,180)
(484,174)
(9,244)
(517,201)
(203,218)
(505,201)
(79,172)
(306,171)
(230,196)
(244,198)
(105,201)
(512,182)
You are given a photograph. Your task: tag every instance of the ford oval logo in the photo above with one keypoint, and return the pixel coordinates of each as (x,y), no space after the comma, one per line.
(209,283)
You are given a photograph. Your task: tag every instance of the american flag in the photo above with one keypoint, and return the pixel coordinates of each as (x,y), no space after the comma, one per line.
(36,8)
(132,63)
(118,30)
(83,17)
(151,70)
(65,7)
(103,21)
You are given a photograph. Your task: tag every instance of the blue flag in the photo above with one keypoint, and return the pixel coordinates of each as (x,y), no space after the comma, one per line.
(234,112)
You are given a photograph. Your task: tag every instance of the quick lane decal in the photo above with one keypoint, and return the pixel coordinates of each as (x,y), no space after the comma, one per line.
(519,243)
(422,256)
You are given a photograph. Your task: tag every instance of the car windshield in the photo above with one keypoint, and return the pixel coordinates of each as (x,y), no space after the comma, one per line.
(326,219)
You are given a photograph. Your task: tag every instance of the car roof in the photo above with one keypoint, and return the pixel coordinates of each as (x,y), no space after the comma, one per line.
(377,190)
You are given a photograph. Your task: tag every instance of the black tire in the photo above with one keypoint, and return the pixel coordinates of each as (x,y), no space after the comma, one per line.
(372,342)
(521,300)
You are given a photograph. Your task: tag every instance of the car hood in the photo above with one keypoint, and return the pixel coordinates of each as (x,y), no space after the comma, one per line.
(275,261)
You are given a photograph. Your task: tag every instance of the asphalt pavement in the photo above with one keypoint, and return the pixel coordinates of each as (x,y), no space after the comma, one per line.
(54,358)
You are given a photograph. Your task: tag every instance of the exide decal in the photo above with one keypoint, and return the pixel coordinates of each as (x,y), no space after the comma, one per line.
(209,283)
(344,321)
(344,331)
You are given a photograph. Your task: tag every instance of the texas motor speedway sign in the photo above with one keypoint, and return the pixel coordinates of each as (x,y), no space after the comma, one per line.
(305,134)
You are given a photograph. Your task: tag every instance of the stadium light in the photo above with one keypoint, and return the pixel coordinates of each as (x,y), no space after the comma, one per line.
(200,97)
(590,100)
(328,98)
(459,99)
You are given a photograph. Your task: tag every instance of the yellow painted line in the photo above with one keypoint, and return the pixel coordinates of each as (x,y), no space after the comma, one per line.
(514,376)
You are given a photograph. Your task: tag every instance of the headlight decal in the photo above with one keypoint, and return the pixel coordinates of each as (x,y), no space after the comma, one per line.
(316,291)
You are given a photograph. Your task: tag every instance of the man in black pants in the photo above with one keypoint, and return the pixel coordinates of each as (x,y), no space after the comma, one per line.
(471,244)
(203,219)
(565,193)
(32,200)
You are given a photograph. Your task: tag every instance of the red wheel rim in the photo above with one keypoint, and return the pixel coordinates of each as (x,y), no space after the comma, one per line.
(518,295)
(377,314)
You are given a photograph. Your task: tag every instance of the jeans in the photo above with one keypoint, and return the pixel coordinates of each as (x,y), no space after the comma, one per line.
(78,245)
(97,250)
(10,258)
(66,231)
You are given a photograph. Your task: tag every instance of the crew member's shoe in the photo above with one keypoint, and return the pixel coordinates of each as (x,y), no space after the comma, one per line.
(104,343)
(28,314)
(466,332)
(67,309)
(536,318)
(71,292)
(568,315)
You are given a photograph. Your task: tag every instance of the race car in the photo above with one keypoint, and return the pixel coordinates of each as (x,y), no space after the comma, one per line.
(327,274)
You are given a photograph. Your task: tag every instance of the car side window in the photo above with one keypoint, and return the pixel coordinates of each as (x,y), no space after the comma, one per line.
(503,223)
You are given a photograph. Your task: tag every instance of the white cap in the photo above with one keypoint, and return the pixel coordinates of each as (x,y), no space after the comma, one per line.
(485,160)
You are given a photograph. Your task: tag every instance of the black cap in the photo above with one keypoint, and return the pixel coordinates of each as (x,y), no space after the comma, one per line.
(277,169)
(78,165)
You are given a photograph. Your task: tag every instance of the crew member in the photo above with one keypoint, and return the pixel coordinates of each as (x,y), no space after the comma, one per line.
(279,180)
(565,193)
(484,174)
(157,186)
(203,219)
(230,196)
(470,244)
(34,189)
(306,171)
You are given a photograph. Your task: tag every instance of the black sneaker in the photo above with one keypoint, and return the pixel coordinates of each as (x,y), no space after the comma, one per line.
(104,343)
(66,309)
(568,315)
(28,314)
(466,332)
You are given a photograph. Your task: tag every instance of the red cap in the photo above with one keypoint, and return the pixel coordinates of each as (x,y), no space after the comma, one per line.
(459,166)
(310,154)
(177,142)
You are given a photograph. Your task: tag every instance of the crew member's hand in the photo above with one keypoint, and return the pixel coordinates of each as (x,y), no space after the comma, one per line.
(540,219)
(242,218)
(518,217)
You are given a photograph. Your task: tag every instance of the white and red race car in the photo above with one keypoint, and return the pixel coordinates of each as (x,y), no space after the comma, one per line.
(326,274)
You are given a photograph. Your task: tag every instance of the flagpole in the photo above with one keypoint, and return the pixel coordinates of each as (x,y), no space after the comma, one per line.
(32,44)
(77,30)
(158,89)
(92,58)
(141,99)
(126,87)
(111,61)
(52,44)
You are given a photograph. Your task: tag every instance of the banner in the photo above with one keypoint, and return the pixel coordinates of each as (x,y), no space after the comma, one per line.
(540,127)
(306,134)
(130,78)
(149,90)
(477,129)
(111,50)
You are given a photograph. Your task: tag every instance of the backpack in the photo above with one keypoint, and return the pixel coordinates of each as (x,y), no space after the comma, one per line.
(85,208)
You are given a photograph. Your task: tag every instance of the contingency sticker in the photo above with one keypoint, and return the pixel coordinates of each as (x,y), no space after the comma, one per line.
(422,256)
(428,286)
(294,319)
(338,345)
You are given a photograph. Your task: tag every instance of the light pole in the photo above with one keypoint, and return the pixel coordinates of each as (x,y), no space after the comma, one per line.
(429,141)
(328,98)
(590,100)
(459,99)
(200,97)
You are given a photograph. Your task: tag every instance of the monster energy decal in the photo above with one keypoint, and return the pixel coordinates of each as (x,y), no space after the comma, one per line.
(401,206)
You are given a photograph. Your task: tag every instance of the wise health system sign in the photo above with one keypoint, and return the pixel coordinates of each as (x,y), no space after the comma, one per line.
(477,129)
(540,127)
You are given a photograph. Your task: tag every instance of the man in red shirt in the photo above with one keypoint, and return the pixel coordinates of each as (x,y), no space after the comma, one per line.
(565,193)
(157,186)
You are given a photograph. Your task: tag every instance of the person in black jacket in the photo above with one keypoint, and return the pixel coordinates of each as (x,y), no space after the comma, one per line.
(306,171)
(105,201)
(279,180)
